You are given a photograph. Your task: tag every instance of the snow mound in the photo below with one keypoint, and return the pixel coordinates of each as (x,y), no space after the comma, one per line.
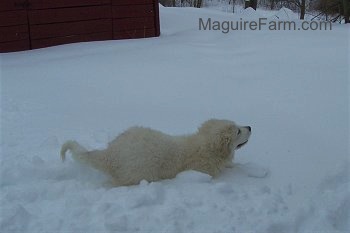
(284,14)
(192,177)
(253,170)
(249,13)
(329,209)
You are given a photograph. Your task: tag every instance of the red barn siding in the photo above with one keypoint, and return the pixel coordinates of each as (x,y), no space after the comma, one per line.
(30,24)
(14,32)
(13,46)
(41,43)
(9,18)
(52,4)
(70,28)
(48,16)
(144,33)
(8,5)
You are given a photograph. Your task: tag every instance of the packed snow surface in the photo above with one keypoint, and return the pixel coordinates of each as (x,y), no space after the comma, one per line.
(291,87)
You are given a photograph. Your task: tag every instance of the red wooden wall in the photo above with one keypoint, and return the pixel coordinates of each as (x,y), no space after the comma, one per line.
(31,24)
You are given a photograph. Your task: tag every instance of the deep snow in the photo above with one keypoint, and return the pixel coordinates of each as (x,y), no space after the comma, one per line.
(292,87)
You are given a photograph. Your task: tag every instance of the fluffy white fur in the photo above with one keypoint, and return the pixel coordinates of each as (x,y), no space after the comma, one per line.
(142,153)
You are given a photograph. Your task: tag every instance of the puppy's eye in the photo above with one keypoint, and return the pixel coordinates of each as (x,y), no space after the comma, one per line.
(239,132)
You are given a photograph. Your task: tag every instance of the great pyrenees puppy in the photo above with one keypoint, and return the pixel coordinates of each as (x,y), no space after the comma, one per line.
(146,154)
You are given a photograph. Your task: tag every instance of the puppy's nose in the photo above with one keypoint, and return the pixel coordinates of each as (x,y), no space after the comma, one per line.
(249,128)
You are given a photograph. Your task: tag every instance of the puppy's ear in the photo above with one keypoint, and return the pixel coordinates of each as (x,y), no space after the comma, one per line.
(224,141)
(227,142)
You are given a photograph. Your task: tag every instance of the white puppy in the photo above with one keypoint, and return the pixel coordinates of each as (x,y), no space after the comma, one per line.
(146,154)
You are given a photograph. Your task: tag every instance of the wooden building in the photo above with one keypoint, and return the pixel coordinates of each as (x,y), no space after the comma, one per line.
(31,24)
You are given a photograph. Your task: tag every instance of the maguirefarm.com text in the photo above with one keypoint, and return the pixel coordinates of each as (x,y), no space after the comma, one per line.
(262,24)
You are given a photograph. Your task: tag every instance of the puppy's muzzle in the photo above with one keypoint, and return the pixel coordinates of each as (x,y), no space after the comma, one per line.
(250,130)
(240,145)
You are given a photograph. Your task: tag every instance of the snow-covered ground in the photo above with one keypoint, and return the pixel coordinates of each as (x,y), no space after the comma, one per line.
(292,87)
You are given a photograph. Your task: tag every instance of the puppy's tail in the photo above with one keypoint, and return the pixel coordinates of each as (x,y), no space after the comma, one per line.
(76,149)
(95,158)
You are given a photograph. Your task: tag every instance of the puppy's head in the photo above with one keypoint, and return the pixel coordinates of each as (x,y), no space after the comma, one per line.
(225,135)
(242,136)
